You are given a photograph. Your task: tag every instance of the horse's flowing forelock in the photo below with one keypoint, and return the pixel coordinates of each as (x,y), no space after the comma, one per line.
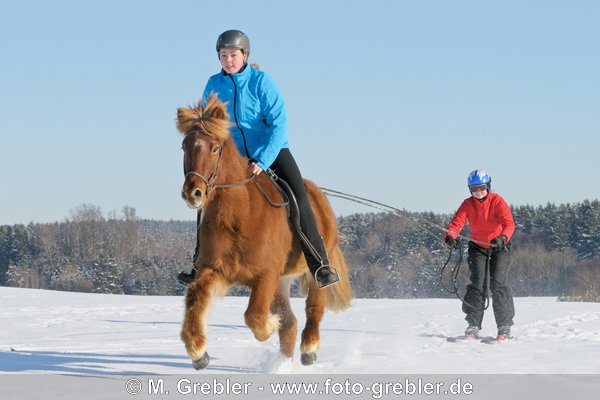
(212,119)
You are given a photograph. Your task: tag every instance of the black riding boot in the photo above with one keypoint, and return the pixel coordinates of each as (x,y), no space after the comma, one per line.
(185,278)
(324,274)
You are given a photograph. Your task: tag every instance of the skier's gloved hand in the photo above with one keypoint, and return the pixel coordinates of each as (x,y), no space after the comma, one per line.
(451,242)
(498,242)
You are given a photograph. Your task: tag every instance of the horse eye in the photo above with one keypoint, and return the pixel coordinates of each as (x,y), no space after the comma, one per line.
(215,149)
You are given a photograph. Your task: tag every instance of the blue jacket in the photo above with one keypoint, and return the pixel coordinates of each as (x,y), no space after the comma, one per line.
(257,112)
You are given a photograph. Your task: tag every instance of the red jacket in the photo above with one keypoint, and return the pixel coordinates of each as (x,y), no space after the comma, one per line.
(488,219)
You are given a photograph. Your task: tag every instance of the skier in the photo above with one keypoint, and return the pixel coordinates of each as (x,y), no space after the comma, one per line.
(259,129)
(492,227)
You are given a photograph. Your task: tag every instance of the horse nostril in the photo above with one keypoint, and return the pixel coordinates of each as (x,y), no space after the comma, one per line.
(197,193)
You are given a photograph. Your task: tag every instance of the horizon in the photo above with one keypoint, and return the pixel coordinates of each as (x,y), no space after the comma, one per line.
(118,215)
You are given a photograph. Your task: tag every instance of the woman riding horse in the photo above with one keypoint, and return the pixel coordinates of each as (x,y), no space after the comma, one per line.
(259,129)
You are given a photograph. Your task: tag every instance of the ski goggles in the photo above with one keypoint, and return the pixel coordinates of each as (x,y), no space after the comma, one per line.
(478,188)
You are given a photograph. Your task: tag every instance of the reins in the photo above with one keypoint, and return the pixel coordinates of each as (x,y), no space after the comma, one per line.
(211,184)
(273,179)
(211,181)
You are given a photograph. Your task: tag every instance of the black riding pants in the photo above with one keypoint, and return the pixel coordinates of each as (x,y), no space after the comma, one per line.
(502,299)
(286,168)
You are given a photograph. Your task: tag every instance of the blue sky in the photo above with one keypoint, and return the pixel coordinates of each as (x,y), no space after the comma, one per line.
(390,100)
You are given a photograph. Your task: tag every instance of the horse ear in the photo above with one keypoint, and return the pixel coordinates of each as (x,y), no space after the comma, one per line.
(184,116)
(220,112)
(217,108)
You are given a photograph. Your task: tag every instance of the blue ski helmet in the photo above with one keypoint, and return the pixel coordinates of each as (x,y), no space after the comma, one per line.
(479,177)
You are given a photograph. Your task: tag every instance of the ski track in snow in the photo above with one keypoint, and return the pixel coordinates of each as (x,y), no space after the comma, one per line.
(74,333)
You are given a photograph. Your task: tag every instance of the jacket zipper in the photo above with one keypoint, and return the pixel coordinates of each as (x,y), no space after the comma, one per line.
(235,115)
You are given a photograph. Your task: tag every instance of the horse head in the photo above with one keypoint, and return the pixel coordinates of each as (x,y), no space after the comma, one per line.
(206,132)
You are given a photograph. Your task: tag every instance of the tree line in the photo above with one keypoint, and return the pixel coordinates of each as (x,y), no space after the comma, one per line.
(555,252)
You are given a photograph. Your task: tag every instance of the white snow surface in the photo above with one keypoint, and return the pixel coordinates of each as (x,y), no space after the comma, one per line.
(49,332)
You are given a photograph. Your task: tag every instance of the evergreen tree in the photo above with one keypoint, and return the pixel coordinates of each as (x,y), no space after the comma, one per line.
(559,227)
(588,227)
(107,278)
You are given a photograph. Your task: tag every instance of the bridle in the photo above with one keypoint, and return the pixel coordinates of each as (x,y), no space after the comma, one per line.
(210,183)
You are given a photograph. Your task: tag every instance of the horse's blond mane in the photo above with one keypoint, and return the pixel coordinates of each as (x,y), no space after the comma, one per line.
(212,119)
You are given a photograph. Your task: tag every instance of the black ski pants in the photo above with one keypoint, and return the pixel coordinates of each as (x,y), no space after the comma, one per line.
(502,299)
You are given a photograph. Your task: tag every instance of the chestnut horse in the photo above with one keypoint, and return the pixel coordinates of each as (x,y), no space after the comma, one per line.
(247,241)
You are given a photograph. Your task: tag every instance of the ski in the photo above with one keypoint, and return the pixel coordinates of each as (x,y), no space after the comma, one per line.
(493,340)
(485,340)
(461,338)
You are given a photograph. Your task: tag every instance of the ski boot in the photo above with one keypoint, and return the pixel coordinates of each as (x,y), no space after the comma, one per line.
(503,333)
(472,332)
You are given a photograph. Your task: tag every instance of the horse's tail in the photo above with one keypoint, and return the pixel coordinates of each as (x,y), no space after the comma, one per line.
(339,296)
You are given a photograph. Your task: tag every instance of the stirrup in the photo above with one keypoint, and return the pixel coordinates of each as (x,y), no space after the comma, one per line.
(326,276)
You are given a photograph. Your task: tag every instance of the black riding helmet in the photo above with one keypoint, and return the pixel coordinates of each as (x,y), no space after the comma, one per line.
(234,39)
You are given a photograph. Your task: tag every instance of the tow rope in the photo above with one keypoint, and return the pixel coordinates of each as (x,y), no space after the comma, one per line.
(430,226)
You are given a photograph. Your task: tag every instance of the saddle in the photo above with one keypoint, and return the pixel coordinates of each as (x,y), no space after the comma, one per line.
(293,211)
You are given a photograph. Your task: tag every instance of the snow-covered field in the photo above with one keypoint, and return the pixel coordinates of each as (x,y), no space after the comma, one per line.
(47,332)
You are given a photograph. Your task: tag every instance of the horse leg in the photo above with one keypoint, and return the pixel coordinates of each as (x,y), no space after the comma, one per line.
(257,315)
(288,323)
(198,298)
(315,308)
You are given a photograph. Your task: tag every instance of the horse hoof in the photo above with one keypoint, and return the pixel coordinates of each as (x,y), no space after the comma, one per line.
(202,362)
(308,358)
